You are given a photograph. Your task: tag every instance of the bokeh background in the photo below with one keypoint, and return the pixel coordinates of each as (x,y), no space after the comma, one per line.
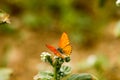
(93,27)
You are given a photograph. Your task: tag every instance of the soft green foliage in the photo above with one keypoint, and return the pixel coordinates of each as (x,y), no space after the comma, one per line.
(101,62)
(65,70)
(97,62)
(7,29)
(47,75)
(60,71)
(82,76)
(82,18)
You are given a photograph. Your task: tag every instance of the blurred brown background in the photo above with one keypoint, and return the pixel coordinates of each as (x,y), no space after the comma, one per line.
(93,27)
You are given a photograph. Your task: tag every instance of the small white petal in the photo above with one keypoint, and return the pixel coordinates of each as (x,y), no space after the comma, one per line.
(43,56)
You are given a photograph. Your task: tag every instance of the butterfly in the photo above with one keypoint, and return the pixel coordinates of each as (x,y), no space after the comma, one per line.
(64,47)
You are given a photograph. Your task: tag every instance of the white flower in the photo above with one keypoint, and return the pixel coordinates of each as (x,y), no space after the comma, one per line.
(43,56)
(118,2)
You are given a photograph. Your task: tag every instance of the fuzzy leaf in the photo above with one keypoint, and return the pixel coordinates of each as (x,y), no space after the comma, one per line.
(83,76)
(66,70)
(44,76)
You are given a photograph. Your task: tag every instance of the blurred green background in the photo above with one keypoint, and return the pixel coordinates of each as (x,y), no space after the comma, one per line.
(93,28)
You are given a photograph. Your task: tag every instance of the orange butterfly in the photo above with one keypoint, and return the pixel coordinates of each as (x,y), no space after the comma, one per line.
(64,47)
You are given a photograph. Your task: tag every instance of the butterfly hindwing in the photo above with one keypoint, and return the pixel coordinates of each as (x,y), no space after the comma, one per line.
(54,50)
(67,50)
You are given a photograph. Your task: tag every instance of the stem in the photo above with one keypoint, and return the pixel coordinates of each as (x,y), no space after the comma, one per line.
(55,73)
(57,67)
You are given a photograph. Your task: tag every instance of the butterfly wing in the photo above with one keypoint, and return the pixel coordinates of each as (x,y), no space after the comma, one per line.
(65,45)
(64,41)
(54,50)
(67,50)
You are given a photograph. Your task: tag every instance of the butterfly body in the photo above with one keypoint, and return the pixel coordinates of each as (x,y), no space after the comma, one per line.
(64,47)
(60,50)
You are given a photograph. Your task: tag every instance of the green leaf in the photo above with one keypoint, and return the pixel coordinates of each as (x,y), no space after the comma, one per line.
(65,69)
(83,76)
(49,59)
(47,75)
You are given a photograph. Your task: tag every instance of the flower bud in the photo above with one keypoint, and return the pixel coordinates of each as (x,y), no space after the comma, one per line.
(67,59)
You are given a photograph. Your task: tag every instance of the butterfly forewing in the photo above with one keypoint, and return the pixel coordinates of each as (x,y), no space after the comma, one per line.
(65,45)
(63,40)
